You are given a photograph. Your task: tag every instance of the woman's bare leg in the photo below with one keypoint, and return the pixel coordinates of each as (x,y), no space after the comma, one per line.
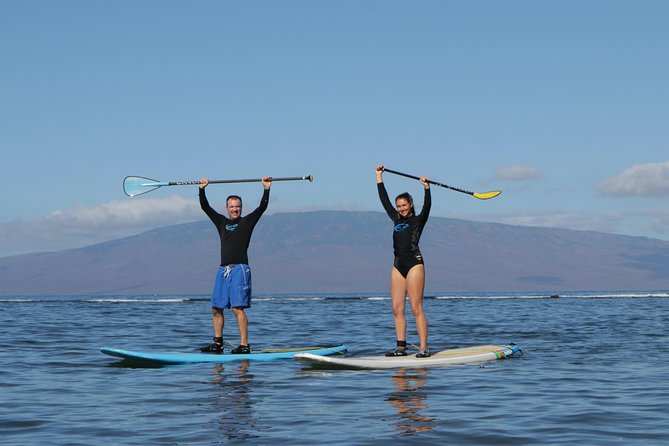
(415,284)
(398,292)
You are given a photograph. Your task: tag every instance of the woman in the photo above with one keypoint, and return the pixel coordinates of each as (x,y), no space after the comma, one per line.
(408,273)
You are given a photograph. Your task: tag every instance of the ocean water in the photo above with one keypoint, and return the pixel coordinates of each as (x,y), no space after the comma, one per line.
(594,372)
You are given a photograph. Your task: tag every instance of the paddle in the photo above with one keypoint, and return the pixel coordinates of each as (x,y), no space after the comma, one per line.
(479,195)
(133,186)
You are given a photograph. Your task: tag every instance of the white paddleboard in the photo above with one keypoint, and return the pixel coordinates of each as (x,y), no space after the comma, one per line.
(464,355)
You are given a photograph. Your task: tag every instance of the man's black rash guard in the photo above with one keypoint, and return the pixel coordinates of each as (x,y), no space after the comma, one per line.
(407,230)
(235,234)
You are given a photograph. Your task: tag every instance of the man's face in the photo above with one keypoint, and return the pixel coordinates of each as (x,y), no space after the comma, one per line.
(234,208)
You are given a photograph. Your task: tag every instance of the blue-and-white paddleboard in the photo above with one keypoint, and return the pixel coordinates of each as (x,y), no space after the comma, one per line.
(465,355)
(186,358)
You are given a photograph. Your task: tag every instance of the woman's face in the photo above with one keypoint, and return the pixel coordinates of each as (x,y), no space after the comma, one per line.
(403,207)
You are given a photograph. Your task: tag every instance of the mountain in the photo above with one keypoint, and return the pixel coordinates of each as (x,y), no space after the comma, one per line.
(348,252)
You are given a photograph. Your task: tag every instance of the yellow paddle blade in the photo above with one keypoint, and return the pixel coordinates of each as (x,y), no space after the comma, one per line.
(487,195)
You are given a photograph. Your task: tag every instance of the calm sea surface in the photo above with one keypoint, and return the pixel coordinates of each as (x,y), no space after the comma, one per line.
(594,372)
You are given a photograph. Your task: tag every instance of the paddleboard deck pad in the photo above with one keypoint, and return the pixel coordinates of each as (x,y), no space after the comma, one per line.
(188,358)
(479,353)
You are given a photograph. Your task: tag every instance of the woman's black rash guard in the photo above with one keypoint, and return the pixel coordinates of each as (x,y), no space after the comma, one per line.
(235,234)
(407,231)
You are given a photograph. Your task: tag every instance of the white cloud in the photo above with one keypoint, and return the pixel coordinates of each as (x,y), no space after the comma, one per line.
(518,173)
(641,180)
(128,213)
(559,219)
(655,221)
(81,226)
(645,222)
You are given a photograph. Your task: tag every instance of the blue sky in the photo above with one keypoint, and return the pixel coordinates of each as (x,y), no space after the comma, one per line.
(562,105)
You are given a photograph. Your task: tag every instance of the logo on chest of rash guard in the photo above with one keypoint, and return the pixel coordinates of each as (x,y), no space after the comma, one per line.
(401,227)
(231,227)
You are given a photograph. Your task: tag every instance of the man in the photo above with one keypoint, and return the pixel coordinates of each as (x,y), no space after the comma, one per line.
(232,288)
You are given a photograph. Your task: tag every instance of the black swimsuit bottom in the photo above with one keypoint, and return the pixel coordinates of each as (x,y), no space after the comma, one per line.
(404,264)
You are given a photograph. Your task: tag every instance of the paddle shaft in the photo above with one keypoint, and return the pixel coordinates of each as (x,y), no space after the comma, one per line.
(133,186)
(429,181)
(246,180)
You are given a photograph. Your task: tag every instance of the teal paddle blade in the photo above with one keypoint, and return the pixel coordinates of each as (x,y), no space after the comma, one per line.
(133,186)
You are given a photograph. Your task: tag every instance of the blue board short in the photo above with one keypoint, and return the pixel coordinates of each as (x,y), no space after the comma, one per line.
(232,287)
